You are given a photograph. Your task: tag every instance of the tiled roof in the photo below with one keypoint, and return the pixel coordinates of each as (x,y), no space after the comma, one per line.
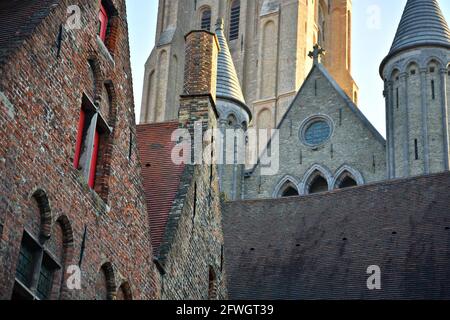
(18,20)
(161,176)
(228,86)
(320,246)
(422,23)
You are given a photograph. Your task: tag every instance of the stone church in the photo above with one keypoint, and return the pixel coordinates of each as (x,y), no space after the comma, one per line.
(325,141)
(344,198)
(92,206)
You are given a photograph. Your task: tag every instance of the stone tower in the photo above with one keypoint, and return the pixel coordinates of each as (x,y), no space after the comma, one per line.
(415,74)
(234,117)
(269,41)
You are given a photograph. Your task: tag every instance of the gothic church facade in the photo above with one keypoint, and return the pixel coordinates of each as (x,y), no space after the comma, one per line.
(269,41)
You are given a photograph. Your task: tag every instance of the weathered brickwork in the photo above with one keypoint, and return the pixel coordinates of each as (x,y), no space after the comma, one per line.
(41,94)
(190,256)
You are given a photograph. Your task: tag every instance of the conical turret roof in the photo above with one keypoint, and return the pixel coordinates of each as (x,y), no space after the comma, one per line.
(228,86)
(422,23)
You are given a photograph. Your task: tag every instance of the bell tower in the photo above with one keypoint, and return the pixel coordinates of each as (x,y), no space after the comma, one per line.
(415,74)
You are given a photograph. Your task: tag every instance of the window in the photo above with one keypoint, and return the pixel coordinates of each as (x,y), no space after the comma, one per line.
(317,133)
(91,131)
(433,92)
(318,185)
(206,20)
(35,271)
(288,189)
(105,287)
(234,19)
(48,268)
(289,192)
(108,23)
(348,182)
(104,19)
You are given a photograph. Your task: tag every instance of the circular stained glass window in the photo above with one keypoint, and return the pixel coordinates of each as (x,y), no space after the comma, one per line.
(317,133)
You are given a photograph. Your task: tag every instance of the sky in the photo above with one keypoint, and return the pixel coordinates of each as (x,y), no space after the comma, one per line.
(374,25)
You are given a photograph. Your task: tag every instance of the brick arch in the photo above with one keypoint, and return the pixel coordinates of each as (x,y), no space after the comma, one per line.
(112,95)
(94,64)
(113,31)
(125,289)
(68,238)
(62,249)
(45,211)
(111,289)
(212,284)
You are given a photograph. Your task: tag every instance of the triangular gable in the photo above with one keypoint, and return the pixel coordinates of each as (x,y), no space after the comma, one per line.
(348,102)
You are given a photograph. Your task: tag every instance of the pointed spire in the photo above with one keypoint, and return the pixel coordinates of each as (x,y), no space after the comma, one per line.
(228,86)
(422,23)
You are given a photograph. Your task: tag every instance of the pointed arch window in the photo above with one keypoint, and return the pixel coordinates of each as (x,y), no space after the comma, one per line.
(206,19)
(235,15)
(289,192)
(318,185)
(347,182)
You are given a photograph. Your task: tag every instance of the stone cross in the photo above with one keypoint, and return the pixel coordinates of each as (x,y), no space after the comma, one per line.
(317,53)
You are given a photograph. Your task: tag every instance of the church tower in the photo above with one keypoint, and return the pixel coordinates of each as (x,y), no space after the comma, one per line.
(269,41)
(415,74)
(234,117)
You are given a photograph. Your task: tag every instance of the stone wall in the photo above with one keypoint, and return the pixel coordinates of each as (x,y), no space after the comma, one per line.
(270,55)
(354,146)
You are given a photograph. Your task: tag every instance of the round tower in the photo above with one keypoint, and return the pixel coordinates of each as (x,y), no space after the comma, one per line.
(415,74)
(234,117)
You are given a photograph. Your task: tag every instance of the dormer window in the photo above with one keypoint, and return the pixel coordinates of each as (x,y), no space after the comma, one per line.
(104,19)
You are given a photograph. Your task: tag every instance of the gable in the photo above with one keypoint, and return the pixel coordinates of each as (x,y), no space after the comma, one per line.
(320,82)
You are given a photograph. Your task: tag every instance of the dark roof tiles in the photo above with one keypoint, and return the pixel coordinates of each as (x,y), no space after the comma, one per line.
(161,176)
(18,20)
(422,23)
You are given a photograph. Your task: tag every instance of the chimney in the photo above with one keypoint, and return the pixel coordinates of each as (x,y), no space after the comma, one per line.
(198,101)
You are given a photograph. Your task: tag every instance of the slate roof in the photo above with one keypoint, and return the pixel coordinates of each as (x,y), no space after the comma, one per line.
(422,23)
(18,20)
(228,86)
(320,246)
(161,176)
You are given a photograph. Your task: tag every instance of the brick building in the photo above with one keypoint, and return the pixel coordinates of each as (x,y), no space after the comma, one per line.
(71,188)
(83,188)
(184,201)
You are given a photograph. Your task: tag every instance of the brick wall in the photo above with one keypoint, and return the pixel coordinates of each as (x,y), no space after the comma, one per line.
(40,99)
(191,253)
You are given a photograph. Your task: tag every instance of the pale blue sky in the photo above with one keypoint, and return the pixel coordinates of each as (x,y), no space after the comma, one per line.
(372,39)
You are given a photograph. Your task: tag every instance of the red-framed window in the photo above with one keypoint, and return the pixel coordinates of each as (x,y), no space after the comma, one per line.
(104,19)
(85,135)
(79,145)
(93,169)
